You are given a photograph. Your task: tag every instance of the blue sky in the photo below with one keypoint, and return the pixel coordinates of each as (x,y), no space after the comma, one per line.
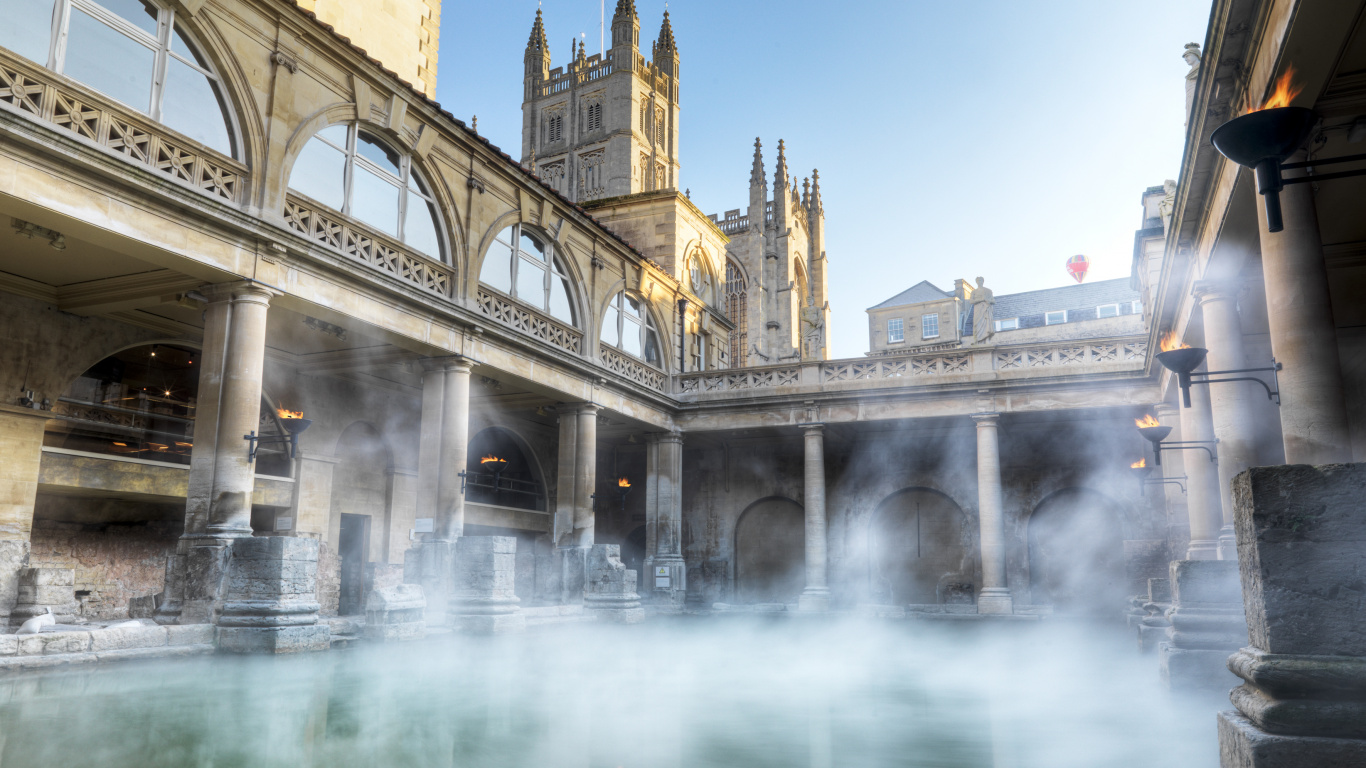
(953,139)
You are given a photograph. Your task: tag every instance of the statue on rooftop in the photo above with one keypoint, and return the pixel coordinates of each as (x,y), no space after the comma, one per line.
(1192,57)
(983,303)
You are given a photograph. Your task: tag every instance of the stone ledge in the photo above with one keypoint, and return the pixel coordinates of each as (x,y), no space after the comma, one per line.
(24,663)
(1243,745)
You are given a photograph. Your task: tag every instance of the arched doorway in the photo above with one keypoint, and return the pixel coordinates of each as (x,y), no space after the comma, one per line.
(921,550)
(1076,553)
(770,552)
(633,554)
(501,474)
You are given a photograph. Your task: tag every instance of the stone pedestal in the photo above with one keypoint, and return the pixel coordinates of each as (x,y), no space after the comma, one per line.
(1155,627)
(484,597)
(430,565)
(41,589)
(611,594)
(1207,625)
(13,556)
(270,600)
(206,567)
(1301,534)
(395,613)
(571,574)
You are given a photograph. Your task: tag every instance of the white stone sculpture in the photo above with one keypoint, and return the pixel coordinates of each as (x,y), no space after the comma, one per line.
(983,312)
(1192,57)
(35,625)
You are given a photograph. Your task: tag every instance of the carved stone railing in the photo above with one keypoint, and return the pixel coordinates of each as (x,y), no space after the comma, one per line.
(740,379)
(46,96)
(330,229)
(902,368)
(520,318)
(623,364)
(1062,355)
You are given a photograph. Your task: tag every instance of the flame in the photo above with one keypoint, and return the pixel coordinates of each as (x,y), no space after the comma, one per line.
(290,414)
(1140,464)
(623,483)
(491,459)
(1285,91)
(1147,421)
(1169,342)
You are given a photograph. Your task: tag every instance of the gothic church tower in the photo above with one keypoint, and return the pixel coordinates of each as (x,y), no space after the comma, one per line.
(599,128)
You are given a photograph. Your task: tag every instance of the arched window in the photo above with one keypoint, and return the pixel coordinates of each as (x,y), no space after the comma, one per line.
(130,50)
(803,298)
(351,171)
(629,327)
(737,309)
(526,267)
(699,277)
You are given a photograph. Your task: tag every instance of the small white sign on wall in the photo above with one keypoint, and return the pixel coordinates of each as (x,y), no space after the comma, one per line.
(662,578)
(423,525)
(284,523)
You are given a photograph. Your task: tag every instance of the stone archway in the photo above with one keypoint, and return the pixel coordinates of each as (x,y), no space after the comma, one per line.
(1076,552)
(920,548)
(770,552)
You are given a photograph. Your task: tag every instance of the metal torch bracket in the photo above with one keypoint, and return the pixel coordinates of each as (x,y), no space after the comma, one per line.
(1190,445)
(255,441)
(1176,481)
(1324,176)
(1273,394)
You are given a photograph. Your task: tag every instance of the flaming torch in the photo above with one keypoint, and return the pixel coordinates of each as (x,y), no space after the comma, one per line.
(294,424)
(1180,358)
(1153,432)
(1140,470)
(623,488)
(1263,138)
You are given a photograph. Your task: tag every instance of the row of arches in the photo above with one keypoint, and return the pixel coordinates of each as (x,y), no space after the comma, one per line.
(921,550)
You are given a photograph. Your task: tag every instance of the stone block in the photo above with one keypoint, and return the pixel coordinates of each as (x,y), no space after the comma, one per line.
(1194,670)
(1206,626)
(144,607)
(434,566)
(1244,745)
(205,569)
(571,574)
(47,577)
(395,613)
(190,634)
(13,557)
(9,645)
(1215,582)
(611,591)
(274,639)
(48,643)
(1301,536)
(1159,590)
(484,586)
(119,638)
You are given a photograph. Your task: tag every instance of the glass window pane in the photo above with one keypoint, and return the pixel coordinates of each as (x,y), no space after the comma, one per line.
(320,173)
(630,336)
(181,46)
(531,282)
(377,153)
(497,269)
(610,332)
(190,104)
(532,246)
(336,134)
(374,200)
(632,308)
(508,236)
(419,227)
(28,28)
(560,308)
(652,355)
(140,12)
(109,61)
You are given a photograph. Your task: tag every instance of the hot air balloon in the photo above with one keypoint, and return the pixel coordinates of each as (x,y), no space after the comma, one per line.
(1077,266)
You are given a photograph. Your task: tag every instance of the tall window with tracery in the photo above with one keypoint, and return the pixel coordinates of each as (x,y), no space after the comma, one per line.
(134,51)
(594,117)
(737,309)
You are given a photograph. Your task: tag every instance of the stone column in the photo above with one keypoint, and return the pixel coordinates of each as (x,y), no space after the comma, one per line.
(1301,532)
(221,481)
(1303,334)
(995,595)
(1202,486)
(585,474)
(576,476)
(455,438)
(1231,404)
(1177,524)
(665,577)
(21,452)
(816,595)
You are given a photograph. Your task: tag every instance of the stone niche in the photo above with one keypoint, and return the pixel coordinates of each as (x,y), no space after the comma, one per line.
(270,602)
(1302,559)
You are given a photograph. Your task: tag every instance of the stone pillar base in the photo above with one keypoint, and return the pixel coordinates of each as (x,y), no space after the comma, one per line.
(1203,549)
(1194,670)
(571,565)
(1244,745)
(814,600)
(206,567)
(611,594)
(317,637)
(434,565)
(484,600)
(996,601)
(1228,543)
(13,557)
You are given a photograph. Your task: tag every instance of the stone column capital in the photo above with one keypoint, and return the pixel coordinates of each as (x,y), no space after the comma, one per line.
(446,363)
(241,290)
(1209,291)
(577,408)
(815,427)
(664,437)
(990,419)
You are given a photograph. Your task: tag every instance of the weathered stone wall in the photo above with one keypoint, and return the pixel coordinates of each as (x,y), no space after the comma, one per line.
(114,561)
(329,579)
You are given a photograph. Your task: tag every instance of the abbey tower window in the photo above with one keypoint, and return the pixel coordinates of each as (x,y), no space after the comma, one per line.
(659,127)
(593,117)
(628,326)
(350,171)
(737,309)
(592,181)
(523,265)
(133,51)
(554,128)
